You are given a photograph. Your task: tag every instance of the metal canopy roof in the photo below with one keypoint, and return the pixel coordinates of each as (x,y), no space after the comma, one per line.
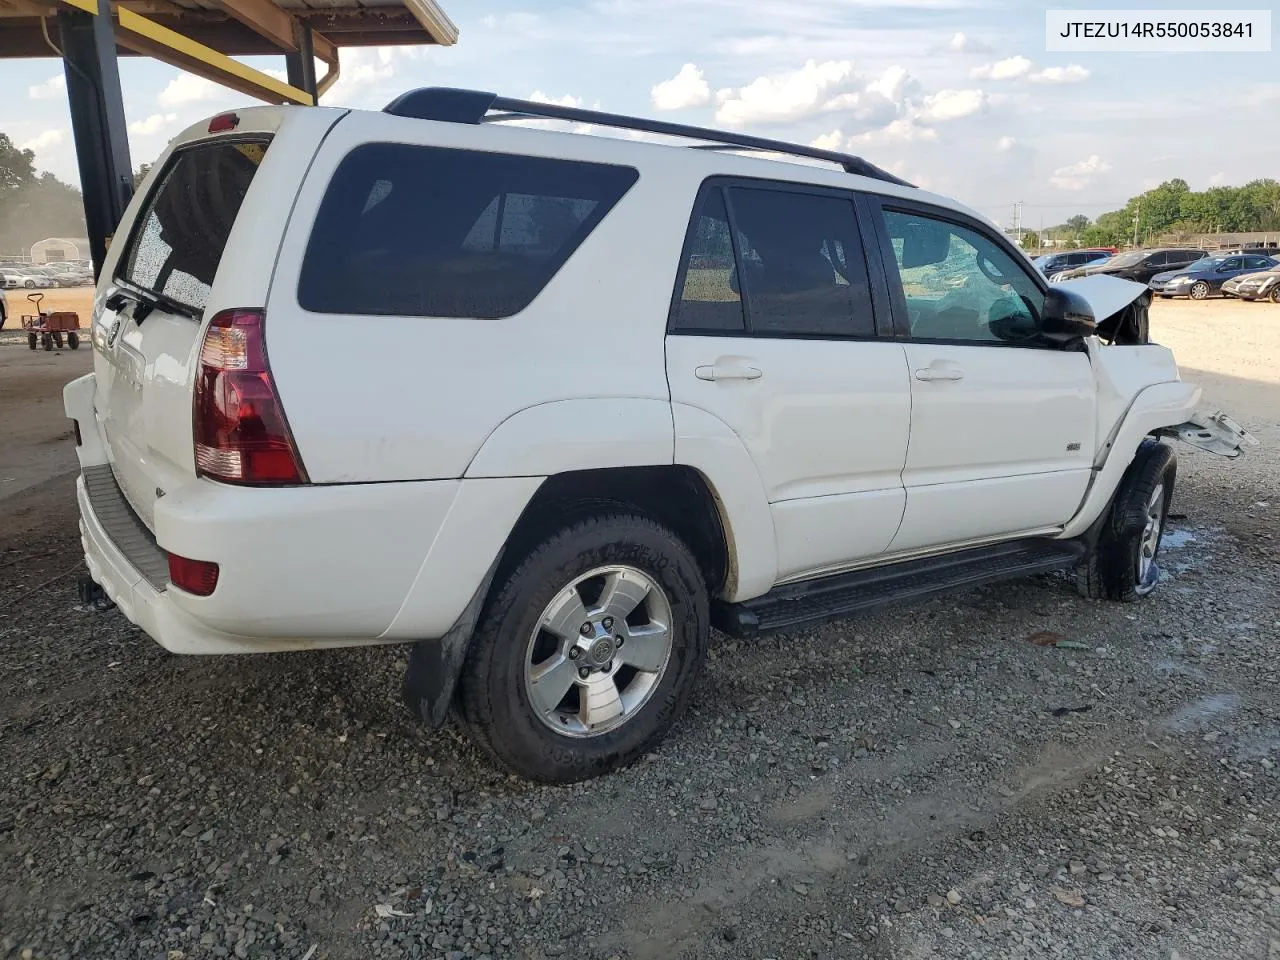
(345,23)
(230,28)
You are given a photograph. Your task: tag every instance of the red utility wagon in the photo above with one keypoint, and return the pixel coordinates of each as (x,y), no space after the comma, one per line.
(48,328)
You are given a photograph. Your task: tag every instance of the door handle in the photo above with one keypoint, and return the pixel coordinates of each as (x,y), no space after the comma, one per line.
(727,372)
(939,373)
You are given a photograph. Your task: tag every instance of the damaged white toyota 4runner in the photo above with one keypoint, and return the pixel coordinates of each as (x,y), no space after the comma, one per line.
(549,406)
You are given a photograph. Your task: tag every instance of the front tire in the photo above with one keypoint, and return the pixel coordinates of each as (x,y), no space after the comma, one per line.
(1122,565)
(1200,290)
(548,689)
(1275,294)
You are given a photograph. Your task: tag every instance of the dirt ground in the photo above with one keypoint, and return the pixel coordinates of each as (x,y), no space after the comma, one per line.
(921,783)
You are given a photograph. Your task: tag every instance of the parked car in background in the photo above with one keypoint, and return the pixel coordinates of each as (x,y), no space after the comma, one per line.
(47,277)
(68,274)
(1053,263)
(1255,286)
(1205,277)
(12,279)
(1138,265)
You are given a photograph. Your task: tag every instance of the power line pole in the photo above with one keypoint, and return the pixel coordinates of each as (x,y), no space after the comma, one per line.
(1137,213)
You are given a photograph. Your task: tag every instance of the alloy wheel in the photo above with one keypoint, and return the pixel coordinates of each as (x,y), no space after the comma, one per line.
(599,651)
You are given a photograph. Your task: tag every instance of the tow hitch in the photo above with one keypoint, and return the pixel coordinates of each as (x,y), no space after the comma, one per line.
(92,595)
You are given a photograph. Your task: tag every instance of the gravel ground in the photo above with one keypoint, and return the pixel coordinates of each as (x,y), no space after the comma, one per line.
(1011,772)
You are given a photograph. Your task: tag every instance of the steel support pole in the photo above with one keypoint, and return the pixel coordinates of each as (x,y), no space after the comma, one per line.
(301,64)
(97,122)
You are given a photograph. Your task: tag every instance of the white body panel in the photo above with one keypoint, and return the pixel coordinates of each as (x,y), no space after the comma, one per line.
(425,438)
(1005,447)
(826,424)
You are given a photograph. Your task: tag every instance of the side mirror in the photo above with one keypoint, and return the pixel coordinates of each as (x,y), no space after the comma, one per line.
(1067,316)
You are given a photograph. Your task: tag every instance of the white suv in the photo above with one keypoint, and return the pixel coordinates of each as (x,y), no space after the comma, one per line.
(550,405)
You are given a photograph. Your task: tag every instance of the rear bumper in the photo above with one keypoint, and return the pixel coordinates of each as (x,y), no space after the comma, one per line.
(299,567)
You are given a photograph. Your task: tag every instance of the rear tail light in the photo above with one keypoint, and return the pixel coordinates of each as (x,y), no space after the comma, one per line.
(199,577)
(241,434)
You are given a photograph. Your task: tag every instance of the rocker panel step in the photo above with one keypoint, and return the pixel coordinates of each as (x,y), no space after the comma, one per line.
(808,602)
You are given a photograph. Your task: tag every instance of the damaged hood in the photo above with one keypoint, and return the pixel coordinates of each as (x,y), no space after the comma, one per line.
(1111,299)
(1106,294)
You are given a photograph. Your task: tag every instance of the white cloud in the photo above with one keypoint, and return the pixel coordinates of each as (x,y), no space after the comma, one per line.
(1217,179)
(1011,68)
(1078,176)
(1073,73)
(153,124)
(568,100)
(365,70)
(951,105)
(187,88)
(53,87)
(828,141)
(45,139)
(688,88)
(902,130)
(787,96)
(1006,143)
(894,84)
(963,43)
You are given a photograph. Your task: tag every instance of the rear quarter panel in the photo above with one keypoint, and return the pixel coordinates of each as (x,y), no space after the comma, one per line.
(382,398)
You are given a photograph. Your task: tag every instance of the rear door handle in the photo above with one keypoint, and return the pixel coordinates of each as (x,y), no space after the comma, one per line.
(939,373)
(727,372)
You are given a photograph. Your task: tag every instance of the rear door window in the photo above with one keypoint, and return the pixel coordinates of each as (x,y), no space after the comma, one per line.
(407,230)
(796,258)
(178,239)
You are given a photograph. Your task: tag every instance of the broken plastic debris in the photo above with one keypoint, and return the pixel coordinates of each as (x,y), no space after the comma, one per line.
(1072,898)
(385,910)
(1072,645)
(1046,638)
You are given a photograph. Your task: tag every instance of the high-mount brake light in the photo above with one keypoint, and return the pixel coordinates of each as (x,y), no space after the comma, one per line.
(238,423)
(224,122)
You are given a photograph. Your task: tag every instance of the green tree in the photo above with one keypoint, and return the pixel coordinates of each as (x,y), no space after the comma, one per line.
(34,205)
(1076,224)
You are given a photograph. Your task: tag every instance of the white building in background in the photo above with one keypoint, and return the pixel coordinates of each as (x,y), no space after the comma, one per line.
(58,249)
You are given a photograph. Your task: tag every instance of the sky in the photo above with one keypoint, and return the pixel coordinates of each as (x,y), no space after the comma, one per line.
(958,96)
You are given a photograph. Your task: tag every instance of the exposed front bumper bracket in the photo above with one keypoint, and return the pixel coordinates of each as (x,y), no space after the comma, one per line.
(1212,432)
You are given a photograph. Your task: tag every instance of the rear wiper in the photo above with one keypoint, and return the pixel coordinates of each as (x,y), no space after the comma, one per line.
(146,301)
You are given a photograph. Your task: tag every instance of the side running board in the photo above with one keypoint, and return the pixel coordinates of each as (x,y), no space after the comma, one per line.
(808,602)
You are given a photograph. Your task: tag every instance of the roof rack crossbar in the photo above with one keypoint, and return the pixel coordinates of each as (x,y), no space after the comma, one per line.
(472,106)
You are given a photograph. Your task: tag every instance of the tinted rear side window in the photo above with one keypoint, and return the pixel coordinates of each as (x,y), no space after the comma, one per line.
(803,264)
(178,239)
(427,231)
(709,299)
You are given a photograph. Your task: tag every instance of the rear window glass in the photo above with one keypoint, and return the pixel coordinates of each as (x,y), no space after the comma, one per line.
(428,231)
(178,239)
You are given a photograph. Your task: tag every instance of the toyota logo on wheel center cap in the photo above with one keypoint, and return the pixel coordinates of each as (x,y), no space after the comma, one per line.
(601,651)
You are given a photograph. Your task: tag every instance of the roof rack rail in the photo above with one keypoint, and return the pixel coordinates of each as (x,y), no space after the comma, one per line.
(455,105)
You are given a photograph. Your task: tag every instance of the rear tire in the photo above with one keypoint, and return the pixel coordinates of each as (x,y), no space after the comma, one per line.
(560,740)
(46,341)
(31,340)
(73,341)
(1122,565)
